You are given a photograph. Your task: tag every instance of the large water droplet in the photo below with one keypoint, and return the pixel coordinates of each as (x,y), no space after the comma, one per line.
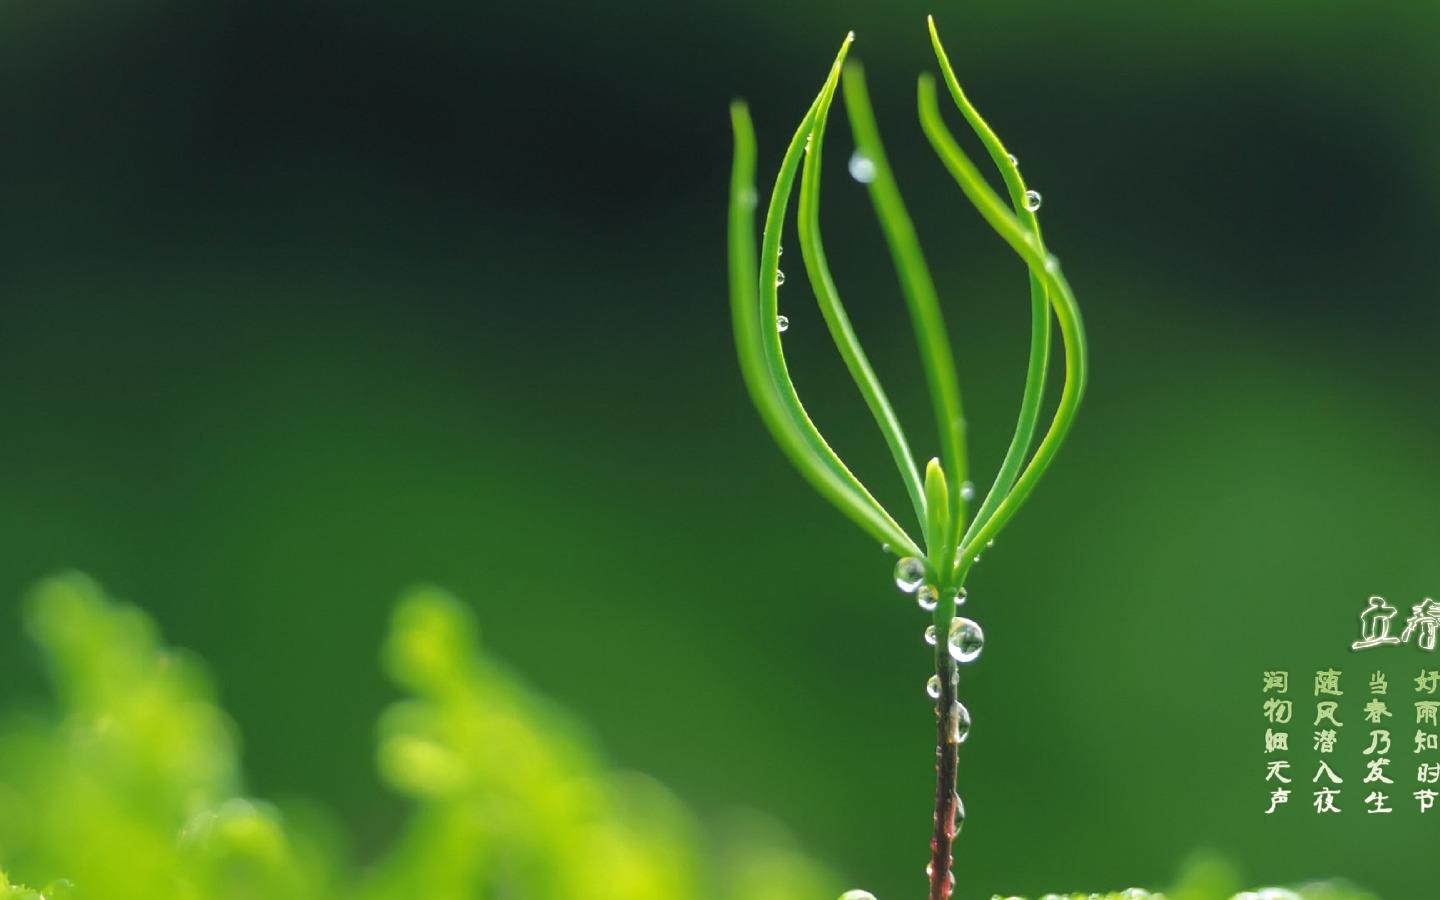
(932,687)
(967,491)
(927,597)
(857,895)
(862,167)
(909,573)
(1032,200)
(782,324)
(966,639)
(779,277)
(958,725)
(930,635)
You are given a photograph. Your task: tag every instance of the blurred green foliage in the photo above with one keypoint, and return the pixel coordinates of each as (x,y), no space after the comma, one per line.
(132,789)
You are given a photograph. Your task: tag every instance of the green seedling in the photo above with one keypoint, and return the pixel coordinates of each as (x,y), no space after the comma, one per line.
(935,566)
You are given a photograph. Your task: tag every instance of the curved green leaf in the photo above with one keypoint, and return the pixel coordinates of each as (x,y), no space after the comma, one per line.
(754,302)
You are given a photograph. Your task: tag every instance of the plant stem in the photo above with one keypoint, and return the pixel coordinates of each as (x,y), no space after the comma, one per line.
(946,760)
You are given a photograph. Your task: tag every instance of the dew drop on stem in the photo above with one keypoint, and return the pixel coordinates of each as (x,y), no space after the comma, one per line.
(909,574)
(1032,200)
(927,598)
(966,639)
(782,324)
(779,277)
(957,726)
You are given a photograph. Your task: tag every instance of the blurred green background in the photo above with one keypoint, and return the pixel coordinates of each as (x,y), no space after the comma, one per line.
(303,303)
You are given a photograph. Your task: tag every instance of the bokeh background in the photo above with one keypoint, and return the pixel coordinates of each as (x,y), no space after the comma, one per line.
(301,304)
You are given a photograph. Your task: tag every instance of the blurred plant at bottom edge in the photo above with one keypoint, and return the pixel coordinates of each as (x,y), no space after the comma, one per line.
(131,787)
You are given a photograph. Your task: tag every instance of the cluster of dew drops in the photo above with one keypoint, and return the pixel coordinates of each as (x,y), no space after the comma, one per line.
(964,639)
(782,323)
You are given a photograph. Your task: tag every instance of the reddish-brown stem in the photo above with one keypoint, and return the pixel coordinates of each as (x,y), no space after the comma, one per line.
(946,761)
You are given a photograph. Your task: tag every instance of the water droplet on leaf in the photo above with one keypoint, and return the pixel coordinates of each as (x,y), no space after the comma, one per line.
(782,324)
(1032,200)
(779,277)
(932,687)
(930,635)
